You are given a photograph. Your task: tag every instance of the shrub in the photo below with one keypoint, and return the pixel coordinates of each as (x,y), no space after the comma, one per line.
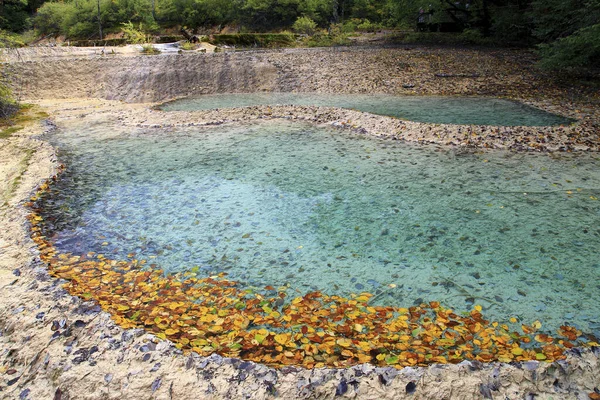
(188,46)
(580,50)
(132,34)
(8,39)
(149,49)
(367,26)
(50,18)
(335,37)
(255,39)
(305,25)
(8,106)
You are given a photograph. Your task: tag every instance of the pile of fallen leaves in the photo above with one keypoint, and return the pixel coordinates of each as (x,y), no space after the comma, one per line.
(214,315)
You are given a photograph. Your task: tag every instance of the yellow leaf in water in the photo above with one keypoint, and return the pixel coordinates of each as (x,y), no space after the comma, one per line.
(540,356)
(517,351)
(347,353)
(282,338)
(478,308)
(344,342)
(171,331)
(358,327)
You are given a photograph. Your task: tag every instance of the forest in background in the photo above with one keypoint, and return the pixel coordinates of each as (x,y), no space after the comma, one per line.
(567,32)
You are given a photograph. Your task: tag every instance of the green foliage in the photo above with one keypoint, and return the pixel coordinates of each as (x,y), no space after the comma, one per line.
(335,37)
(10,40)
(305,25)
(51,18)
(169,38)
(556,19)
(148,49)
(255,39)
(13,15)
(368,26)
(560,26)
(134,35)
(8,106)
(98,42)
(188,46)
(512,26)
(579,50)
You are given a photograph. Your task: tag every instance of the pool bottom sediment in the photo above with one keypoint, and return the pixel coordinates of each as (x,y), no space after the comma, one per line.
(458,110)
(213,315)
(381,289)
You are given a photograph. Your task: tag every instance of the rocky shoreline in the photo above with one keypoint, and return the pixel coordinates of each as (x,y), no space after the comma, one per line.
(56,346)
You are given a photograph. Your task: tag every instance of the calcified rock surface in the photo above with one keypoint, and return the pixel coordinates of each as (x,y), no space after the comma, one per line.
(54,346)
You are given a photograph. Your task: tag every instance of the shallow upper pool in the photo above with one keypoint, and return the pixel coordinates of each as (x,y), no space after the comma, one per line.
(281,203)
(439,110)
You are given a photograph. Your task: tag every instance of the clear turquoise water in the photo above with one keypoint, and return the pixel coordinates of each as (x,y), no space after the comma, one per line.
(281,203)
(440,110)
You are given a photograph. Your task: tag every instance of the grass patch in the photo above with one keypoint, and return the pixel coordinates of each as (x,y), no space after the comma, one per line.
(27,114)
(7,132)
(28,154)
(188,46)
(148,49)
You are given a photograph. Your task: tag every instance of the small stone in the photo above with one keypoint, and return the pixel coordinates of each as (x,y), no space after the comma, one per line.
(341,388)
(155,367)
(156,384)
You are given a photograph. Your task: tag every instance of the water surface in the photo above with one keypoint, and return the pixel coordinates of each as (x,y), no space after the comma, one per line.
(287,204)
(432,109)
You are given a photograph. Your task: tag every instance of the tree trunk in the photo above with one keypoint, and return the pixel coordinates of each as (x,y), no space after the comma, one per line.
(99,20)
(486,19)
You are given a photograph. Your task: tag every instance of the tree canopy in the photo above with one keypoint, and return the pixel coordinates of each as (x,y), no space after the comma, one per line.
(566,30)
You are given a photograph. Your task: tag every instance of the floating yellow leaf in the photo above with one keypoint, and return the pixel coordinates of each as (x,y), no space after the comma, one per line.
(282,338)
(517,351)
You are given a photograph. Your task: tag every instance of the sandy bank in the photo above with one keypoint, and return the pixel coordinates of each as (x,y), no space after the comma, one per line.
(55,346)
